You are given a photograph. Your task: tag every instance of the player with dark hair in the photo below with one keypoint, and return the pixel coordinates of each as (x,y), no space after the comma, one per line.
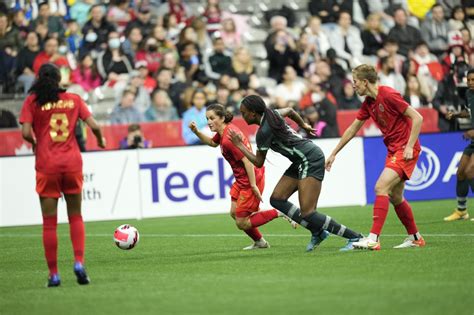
(48,119)
(249,180)
(465,173)
(304,175)
(400,125)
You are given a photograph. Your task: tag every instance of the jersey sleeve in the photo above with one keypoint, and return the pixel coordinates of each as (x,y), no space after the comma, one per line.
(264,138)
(26,115)
(84,111)
(217,138)
(363,113)
(396,101)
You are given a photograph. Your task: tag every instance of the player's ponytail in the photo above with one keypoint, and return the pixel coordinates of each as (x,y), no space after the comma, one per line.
(46,86)
(220,111)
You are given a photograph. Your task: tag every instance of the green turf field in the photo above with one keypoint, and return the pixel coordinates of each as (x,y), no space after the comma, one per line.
(195,265)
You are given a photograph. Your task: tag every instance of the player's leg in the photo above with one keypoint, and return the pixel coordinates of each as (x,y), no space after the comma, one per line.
(386,181)
(50,239)
(462,189)
(253,233)
(72,187)
(405,214)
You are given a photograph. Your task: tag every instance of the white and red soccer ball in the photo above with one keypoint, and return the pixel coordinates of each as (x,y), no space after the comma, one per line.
(126,236)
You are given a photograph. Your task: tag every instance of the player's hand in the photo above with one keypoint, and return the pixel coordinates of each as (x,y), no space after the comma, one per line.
(408,153)
(309,129)
(256,192)
(329,162)
(102,143)
(33,146)
(469,135)
(193,127)
(450,115)
(235,137)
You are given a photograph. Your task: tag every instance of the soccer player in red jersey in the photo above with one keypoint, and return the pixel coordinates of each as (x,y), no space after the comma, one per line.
(400,125)
(48,119)
(249,180)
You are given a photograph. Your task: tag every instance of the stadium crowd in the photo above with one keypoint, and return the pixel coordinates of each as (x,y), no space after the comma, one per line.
(162,61)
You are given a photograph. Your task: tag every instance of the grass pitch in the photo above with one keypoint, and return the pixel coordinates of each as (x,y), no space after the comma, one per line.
(195,265)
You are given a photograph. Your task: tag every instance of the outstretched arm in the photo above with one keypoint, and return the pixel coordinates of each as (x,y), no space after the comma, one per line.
(293,115)
(204,138)
(256,159)
(417,121)
(346,137)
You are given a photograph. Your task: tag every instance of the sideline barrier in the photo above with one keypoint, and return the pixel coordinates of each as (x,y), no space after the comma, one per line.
(167,182)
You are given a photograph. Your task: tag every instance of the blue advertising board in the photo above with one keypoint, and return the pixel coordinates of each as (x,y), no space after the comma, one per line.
(435,174)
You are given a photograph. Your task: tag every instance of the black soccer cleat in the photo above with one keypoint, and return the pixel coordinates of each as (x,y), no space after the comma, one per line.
(81,274)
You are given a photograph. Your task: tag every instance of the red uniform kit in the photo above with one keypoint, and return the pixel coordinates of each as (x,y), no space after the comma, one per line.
(58,158)
(240,192)
(387,112)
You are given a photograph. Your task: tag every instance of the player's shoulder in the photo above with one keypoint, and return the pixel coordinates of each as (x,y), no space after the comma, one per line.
(69,96)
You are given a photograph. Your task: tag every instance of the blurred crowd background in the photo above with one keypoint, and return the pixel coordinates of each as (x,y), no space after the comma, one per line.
(157,61)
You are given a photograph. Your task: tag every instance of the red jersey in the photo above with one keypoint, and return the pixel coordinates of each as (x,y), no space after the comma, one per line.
(57,150)
(234,156)
(387,112)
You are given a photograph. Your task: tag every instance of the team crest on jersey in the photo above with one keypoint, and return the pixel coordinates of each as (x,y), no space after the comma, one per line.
(381,108)
(393,159)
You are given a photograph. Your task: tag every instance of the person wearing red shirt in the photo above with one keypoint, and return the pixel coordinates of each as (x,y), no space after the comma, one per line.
(48,117)
(50,54)
(400,125)
(249,180)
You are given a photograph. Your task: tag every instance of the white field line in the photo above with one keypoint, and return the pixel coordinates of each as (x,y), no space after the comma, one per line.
(24,235)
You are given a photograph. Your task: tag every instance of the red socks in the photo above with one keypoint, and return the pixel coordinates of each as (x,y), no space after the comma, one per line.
(405,214)
(254,234)
(262,217)
(76,230)
(381,205)
(50,243)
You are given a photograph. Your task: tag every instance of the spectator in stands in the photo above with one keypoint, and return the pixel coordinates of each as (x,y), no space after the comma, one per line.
(212,13)
(187,34)
(332,82)
(126,112)
(203,39)
(281,52)
(132,42)
(73,37)
(405,35)
(96,31)
(308,53)
(429,70)
(224,98)
(327,111)
(136,84)
(119,14)
(143,21)
(454,53)
(134,139)
(190,61)
(150,54)
(7,119)
(25,61)
(413,93)
(177,8)
(459,21)
(80,10)
(434,30)
(373,38)
(42,30)
(113,65)
(349,100)
(468,44)
(196,113)
(326,10)
(163,44)
(346,40)
(149,83)
(230,34)
(290,90)
(161,108)
(86,79)
(217,62)
(175,90)
(390,47)
(317,36)
(10,40)
(389,77)
(50,54)
(242,66)
(54,23)
(172,27)
(20,23)
(311,116)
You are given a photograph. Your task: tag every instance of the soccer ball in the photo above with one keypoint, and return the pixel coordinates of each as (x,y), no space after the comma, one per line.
(126,236)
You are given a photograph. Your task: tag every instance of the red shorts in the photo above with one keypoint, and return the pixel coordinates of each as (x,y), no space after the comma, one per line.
(247,202)
(403,167)
(51,185)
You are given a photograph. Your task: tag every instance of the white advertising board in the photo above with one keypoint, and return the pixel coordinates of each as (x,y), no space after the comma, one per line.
(167,182)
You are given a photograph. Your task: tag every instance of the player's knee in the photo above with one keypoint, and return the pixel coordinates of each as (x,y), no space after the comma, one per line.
(243,224)
(461,174)
(380,189)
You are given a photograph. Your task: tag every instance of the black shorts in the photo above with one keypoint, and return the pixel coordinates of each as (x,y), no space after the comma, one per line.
(312,165)
(469,150)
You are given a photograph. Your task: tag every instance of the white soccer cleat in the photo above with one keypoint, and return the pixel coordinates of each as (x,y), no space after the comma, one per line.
(260,244)
(407,243)
(366,243)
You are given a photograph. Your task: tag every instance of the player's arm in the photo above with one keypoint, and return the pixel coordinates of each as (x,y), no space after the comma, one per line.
(293,115)
(256,159)
(27,134)
(462,114)
(417,121)
(346,137)
(92,123)
(250,170)
(204,138)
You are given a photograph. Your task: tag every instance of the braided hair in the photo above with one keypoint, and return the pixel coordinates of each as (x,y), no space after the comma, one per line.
(46,86)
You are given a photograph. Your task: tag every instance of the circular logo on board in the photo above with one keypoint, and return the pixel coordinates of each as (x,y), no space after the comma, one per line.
(426,171)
